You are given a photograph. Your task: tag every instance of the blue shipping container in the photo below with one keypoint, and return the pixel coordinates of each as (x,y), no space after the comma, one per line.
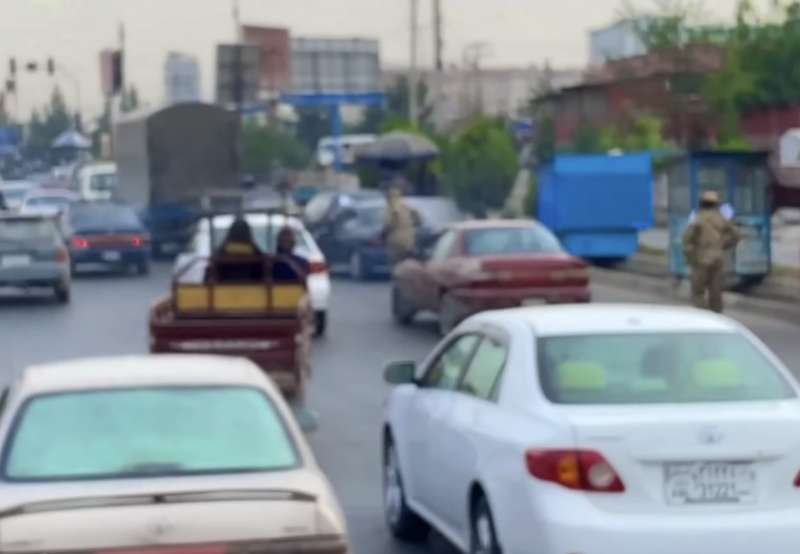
(597,204)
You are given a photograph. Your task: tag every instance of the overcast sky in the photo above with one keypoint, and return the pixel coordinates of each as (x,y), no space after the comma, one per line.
(519,32)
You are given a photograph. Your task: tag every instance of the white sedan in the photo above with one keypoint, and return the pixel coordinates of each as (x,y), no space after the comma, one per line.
(598,429)
(174,454)
(265,230)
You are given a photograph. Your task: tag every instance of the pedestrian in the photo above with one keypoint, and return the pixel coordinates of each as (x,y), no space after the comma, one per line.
(706,243)
(289,266)
(400,229)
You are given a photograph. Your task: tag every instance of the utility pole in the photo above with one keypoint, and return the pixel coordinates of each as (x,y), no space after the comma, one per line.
(437,80)
(413,101)
(237,21)
(438,36)
(473,56)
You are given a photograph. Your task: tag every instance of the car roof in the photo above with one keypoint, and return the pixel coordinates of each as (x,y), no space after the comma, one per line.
(604,319)
(16,185)
(478,224)
(52,192)
(140,371)
(16,216)
(276,220)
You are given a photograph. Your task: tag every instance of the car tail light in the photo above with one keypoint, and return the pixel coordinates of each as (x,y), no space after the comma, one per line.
(137,241)
(797,480)
(79,243)
(62,255)
(318,267)
(583,470)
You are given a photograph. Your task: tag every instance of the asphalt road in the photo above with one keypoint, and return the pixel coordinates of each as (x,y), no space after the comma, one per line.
(108,315)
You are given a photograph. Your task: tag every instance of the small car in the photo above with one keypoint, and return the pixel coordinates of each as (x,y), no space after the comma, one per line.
(488,264)
(156,454)
(33,254)
(602,429)
(14,193)
(48,201)
(109,235)
(265,229)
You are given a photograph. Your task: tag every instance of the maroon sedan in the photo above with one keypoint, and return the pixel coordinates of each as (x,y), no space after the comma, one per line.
(484,265)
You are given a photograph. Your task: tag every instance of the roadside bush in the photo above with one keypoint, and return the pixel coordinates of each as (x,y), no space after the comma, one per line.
(479,167)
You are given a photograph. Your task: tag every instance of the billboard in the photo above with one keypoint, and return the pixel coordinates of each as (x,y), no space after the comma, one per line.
(238,73)
(335,66)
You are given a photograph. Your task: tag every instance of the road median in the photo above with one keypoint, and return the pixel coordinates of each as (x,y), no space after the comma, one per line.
(774,298)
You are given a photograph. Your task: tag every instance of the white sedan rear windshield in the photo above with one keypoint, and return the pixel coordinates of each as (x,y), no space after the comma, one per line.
(13,230)
(146,433)
(657,368)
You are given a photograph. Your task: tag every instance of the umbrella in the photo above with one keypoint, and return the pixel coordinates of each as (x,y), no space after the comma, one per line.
(396,147)
(72,139)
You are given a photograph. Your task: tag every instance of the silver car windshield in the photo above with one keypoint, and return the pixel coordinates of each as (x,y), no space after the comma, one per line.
(139,433)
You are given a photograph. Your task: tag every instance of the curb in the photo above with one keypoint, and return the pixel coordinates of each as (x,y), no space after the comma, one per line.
(665,288)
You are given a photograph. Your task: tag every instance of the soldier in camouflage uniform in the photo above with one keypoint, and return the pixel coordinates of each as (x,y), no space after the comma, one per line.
(706,243)
(401,224)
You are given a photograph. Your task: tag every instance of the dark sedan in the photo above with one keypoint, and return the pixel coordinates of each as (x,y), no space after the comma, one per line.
(349,228)
(483,265)
(109,235)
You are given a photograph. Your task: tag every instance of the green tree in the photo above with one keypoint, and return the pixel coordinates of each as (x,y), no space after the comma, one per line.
(380,119)
(130,99)
(48,124)
(545,147)
(313,124)
(265,148)
(588,139)
(480,165)
(5,118)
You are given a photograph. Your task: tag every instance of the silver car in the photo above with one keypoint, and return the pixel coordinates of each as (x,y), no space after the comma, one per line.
(33,254)
(155,454)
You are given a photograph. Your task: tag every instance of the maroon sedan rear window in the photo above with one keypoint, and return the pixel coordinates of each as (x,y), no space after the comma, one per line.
(512,240)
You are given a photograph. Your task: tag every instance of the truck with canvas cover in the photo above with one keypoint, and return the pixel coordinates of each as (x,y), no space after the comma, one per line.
(169,160)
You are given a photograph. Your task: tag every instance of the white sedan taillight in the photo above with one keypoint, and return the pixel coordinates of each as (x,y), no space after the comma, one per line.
(582,470)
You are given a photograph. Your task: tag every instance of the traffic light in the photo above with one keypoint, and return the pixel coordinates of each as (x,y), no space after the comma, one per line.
(12,66)
(117,69)
(51,67)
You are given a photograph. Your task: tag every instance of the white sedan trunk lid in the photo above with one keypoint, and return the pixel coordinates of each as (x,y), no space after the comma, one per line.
(701,457)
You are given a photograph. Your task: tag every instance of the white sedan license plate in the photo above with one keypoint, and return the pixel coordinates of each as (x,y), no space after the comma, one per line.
(111,256)
(15,261)
(689,483)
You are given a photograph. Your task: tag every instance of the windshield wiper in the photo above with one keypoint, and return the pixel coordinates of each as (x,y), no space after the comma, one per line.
(222,495)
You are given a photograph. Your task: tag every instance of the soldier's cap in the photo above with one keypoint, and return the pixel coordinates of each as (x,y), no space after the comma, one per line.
(710,197)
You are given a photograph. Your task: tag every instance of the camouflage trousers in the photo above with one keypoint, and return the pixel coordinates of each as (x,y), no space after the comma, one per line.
(708,282)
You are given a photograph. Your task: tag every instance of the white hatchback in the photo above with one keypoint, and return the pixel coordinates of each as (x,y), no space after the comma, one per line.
(597,429)
(265,229)
(159,454)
